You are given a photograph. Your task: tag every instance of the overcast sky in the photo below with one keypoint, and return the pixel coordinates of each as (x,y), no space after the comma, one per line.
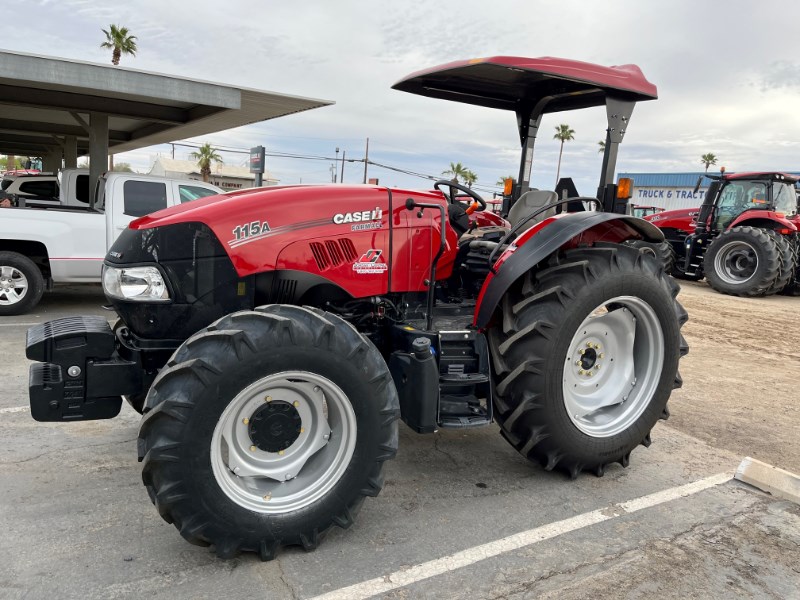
(728,77)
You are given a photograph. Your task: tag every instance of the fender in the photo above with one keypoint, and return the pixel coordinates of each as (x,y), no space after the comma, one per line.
(767,218)
(534,248)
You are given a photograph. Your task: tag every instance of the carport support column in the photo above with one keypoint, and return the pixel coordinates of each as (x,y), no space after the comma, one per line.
(51,162)
(70,152)
(98,150)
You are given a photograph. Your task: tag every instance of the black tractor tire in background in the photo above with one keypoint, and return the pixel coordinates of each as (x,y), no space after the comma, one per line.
(14,268)
(537,342)
(742,261)
(661,251)
(292,351)
(787,263)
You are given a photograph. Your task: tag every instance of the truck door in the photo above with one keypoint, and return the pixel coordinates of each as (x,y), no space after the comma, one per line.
(130,199)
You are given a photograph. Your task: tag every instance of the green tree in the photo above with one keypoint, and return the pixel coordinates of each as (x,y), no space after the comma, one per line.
(564,134)
(502,180)
(602,144)
(120,41)
(470,178)
(455,171)
(204,156)
(123,167)
(708,160)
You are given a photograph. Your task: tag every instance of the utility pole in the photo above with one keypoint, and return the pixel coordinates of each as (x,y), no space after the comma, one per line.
(341,179)
(366,161)
(337,164)
(333,173)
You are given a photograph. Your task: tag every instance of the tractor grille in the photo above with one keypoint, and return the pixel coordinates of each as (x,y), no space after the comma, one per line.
(333,253)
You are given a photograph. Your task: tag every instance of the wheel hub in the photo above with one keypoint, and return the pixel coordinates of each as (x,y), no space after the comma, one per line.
(275,426)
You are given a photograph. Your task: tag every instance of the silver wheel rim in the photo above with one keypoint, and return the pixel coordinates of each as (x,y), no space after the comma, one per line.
(287,480)
(736,263)
(13,285)
(613,366)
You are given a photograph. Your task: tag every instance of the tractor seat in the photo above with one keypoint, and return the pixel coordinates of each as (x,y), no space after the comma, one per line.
(528,203)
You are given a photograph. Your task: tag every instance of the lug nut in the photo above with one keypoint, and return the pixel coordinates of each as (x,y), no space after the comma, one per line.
(581,351)
(302,430)
(295,403)
(589,373)
(280,452)
(597,367)
(601,355)
(267,497)
(253,448)
(581,372)
(588,344)
(268,399)
(246,421)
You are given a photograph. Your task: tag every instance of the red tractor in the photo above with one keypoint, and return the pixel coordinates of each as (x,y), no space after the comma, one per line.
(272,351)
(743,238)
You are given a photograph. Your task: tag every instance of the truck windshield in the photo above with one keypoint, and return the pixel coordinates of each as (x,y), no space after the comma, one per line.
(785,198)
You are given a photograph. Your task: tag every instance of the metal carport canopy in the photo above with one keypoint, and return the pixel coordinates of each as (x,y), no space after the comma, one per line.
(54,107)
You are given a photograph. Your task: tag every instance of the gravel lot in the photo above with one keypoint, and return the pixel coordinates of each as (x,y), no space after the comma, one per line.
(76,521)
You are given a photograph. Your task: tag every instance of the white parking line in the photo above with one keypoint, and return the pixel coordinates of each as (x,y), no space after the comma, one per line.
(398,579)
(14,409)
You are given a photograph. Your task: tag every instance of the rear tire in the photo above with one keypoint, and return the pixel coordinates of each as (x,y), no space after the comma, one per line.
(21,284)
(661,251)
(742,261)
(541,357)
(266,429)
(787,264)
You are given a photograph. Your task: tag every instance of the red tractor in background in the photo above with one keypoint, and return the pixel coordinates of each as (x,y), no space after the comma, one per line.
(272,351)
(744,237)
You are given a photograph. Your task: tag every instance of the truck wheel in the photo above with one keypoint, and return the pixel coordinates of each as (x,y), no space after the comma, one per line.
(586,354)
(266,429)
(743,261)
(661,251)
(787,267)
(21,284)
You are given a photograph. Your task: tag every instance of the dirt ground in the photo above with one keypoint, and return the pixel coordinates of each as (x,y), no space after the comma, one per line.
(742,375)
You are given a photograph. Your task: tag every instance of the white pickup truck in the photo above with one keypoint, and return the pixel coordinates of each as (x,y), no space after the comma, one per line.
(42,246)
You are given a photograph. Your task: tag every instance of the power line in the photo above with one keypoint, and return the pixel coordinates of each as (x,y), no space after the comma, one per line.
(298,156)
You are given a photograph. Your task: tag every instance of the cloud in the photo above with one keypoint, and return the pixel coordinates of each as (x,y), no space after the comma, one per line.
(727,79)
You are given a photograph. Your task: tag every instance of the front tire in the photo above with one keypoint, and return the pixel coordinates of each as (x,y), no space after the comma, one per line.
(21,284)
(586,353)
(742,261)
(266,429)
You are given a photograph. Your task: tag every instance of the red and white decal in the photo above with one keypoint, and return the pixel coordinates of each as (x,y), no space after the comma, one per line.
(370,263)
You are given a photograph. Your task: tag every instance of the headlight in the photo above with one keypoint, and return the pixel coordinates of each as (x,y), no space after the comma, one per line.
(145,284)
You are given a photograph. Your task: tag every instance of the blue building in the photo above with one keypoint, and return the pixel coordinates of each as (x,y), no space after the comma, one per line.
(669,191)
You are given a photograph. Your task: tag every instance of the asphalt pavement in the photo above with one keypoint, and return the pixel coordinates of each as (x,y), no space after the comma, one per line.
(462,515)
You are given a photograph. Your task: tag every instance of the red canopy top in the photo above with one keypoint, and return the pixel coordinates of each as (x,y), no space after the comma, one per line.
(512,82)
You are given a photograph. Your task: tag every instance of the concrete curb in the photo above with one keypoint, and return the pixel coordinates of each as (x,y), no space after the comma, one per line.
(775,481)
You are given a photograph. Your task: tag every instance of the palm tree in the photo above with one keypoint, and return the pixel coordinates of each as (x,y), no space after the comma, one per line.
(563,133)
(456,170)
(502,180)
(602,144)
(470,178)
(120,40)
(204,156)
(708,160)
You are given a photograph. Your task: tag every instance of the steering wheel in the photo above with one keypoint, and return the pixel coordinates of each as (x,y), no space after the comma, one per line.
(481,203)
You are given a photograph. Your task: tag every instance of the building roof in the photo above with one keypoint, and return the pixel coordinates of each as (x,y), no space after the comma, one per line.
(685,180)
(40,94)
